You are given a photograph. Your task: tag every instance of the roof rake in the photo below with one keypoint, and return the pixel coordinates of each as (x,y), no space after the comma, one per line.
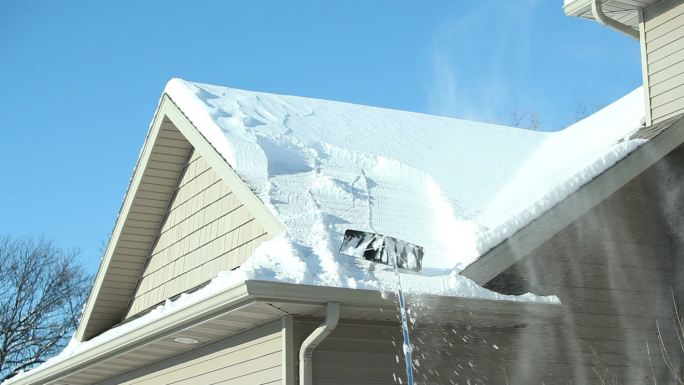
(382,249)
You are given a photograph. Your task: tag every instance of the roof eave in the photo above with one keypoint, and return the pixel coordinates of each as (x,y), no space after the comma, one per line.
(301,300)
(577,7)
(178,320)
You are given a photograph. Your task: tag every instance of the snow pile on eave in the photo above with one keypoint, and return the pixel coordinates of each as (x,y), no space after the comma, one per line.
(455,187)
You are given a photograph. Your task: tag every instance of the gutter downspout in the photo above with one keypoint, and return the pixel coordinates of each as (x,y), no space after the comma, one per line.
(332,316)
(597,11)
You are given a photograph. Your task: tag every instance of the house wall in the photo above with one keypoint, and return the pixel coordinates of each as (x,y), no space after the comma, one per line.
(614,270)
(672,196)
(206,230)
(361,353)
(253,357)
(662,39)
(354,353)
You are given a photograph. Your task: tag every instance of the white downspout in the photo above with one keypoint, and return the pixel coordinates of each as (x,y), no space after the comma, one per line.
(597,11)
(332,316)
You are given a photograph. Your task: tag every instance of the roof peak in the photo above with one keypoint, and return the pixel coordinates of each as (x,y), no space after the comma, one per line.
(213,90)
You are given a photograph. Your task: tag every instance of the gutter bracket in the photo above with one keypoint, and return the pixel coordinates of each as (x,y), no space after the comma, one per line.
(597,12)
(332,317)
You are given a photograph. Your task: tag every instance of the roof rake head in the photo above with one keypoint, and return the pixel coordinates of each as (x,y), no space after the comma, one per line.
(383,249)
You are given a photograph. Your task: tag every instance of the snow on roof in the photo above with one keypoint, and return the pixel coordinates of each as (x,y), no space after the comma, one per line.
(455,187)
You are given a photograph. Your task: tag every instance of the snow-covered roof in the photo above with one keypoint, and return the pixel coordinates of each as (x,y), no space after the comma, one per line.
(455,187)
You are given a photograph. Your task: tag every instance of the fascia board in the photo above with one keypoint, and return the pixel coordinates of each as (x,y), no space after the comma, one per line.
(121,217)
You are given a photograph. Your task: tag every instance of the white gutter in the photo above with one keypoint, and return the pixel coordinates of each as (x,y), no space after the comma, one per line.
(332,316)
(597,11)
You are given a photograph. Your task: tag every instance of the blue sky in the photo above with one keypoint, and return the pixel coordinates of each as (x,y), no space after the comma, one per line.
(81,79)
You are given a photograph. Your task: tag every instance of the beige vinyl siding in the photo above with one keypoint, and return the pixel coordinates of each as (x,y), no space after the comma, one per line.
(613,270)
(251,358)
(663,47)
(206,230)
(674,167)
(355,353)
(365,353)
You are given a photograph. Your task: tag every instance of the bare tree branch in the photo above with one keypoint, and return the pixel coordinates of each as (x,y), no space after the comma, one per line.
(583,110)
(526,119)
(43,291)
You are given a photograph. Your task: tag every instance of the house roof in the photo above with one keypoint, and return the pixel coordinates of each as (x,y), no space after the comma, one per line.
(315,168)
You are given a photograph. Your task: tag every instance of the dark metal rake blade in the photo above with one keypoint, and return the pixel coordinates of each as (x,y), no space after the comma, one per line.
(382,249)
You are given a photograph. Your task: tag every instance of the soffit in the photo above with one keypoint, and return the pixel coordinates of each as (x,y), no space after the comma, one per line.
(623,11)
(652,131)
(151,189)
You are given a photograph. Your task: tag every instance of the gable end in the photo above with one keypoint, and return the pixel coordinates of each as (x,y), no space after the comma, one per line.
(206,230)
(141,266)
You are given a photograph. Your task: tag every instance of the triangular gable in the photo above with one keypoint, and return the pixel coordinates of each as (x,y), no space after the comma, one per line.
(158,247)
(206,230)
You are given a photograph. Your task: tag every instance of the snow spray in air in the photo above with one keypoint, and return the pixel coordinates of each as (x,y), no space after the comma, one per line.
(398,254)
